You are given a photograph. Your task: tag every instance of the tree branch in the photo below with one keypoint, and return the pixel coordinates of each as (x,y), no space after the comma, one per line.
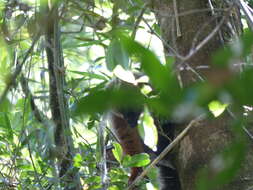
(167,150)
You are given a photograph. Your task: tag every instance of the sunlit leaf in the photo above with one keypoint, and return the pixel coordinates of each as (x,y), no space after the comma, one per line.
(117,152)
(137,160)
(140,160)
(146,89)
(158,73)
(148,130)
(217,108)
(78,160)
(124,75)
(116,55)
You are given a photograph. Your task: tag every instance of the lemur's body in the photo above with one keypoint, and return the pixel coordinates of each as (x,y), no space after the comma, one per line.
(124,126)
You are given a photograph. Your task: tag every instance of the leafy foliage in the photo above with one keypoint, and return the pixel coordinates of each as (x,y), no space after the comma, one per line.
(97,36)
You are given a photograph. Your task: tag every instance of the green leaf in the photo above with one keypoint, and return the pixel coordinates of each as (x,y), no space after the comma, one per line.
(148,130)
(5,125)
(217,108)
(137,160)
(117,152)
(151,65)
(98,101)
(157,28)
(126,160)
(93,179)
(19,20)
(116,55)
(140,160)
(247,42)
(78,160)
(5,106)
(4,64)
(114,187)
(153,176)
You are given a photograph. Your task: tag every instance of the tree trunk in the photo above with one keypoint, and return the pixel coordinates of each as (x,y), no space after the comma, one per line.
(205,141)
(64,150)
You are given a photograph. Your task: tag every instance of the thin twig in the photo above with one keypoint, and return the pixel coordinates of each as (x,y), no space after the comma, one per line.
(247,132)
(195,72)
(167,149)
(179,34)
(204,41)
(34,167)
(39,116)
(171,49)
(243,127)
(211,6)
(27,92)
(138,20)
(201,30)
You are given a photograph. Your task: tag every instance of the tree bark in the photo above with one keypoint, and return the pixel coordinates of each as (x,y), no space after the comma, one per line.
(64,150)
(207,140)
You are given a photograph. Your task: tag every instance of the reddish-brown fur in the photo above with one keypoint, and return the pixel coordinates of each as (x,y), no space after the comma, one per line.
(129,139)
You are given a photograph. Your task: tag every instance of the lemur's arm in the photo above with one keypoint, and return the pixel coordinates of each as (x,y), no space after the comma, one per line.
(129,139)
